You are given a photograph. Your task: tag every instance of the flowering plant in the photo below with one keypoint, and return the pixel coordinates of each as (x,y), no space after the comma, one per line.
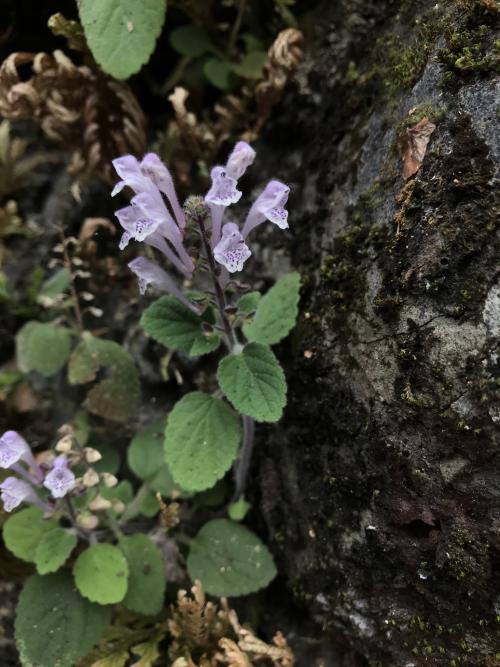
(80,514)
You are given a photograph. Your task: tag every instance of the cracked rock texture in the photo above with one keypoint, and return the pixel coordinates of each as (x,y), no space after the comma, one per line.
(381,488)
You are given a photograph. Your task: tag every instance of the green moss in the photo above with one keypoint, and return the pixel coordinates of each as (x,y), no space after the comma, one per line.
(427,109)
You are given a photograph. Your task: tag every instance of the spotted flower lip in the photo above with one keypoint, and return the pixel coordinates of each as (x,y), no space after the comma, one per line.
(14,491)
(231,251)
(223,191)
(60,480)
(269,205)
(14,448)
(240,159)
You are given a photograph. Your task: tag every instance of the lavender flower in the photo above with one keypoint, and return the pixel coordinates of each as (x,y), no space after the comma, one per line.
(148,218)
(149,273)
(14,491)
(223,191)
(270,205)
(60,479)
(231,251)
(240,159)
(14,448)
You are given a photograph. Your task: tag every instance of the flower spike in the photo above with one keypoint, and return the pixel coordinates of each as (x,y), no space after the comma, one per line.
(231,251)
(149,273)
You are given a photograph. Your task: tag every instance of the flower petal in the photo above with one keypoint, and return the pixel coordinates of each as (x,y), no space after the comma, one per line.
(240,159)
(232,251)
(223,191)
(60,480)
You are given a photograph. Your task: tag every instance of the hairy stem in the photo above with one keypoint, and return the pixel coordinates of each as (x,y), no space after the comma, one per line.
(67,262)
(242,466)
(219,294)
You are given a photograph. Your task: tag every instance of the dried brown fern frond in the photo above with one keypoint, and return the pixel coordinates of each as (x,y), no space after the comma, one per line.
(284,55)
(80,107)
(207,635)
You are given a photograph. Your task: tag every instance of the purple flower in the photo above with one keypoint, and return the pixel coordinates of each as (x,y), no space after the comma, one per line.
(231,251)
(148,218)
(270,205)
(223,191)
(14,448)
(240,159)
(149,273)
(60,479)
(14,491)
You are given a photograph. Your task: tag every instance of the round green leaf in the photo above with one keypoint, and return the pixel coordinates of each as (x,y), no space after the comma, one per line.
(101,574)
(190,40)
(53,549)
(217,73)
(252,65)
(254,382)
(229,560)
(276,312)
(172,324)
(42,347)
(146,582)
(23,531)
(201,440)
(110,461)
(55,626)
(122,33)
(145,455)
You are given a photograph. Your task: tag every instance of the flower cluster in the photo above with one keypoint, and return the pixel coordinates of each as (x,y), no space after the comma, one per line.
(16,455)
(155,216)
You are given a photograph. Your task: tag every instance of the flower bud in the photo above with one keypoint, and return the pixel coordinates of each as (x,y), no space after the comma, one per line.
(65,444)
(87,520)
(92,455)
(109,479)
(118,506)
(91,478)
(99,503)
(195,208)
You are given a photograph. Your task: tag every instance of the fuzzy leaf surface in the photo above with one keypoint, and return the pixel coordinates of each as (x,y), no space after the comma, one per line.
(146,582)
(201,440)
(116,396)
(172,324)
(53,549)
(254,382)
(276,312)
(229,559)
(101,574)
(54,625)
(23,531)
(42,347)
(122,33)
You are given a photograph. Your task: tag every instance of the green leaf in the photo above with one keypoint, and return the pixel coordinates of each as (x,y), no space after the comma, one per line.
(53,549)
(55,285)
(201,440)
(249,302)
(42,347)
(149,505)
(117,396)
(122,491)
(145,454)
(276,313)
(218,73)
(54,625)
(237,511)
(101,574)
(172,324)
(23,531)
(146,583)
(110,461)
(229,560)
(251,65)
(254,382)
(122,33)
(190,40)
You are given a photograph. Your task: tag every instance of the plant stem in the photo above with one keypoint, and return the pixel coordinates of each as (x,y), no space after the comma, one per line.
(74,293)
(219,294)
(134,508)
(236,27)
(242,466)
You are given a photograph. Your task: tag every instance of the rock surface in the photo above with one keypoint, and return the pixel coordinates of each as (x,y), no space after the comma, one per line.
(381,489)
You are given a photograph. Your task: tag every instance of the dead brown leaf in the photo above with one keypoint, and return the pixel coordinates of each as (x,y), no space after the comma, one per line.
(413,143)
